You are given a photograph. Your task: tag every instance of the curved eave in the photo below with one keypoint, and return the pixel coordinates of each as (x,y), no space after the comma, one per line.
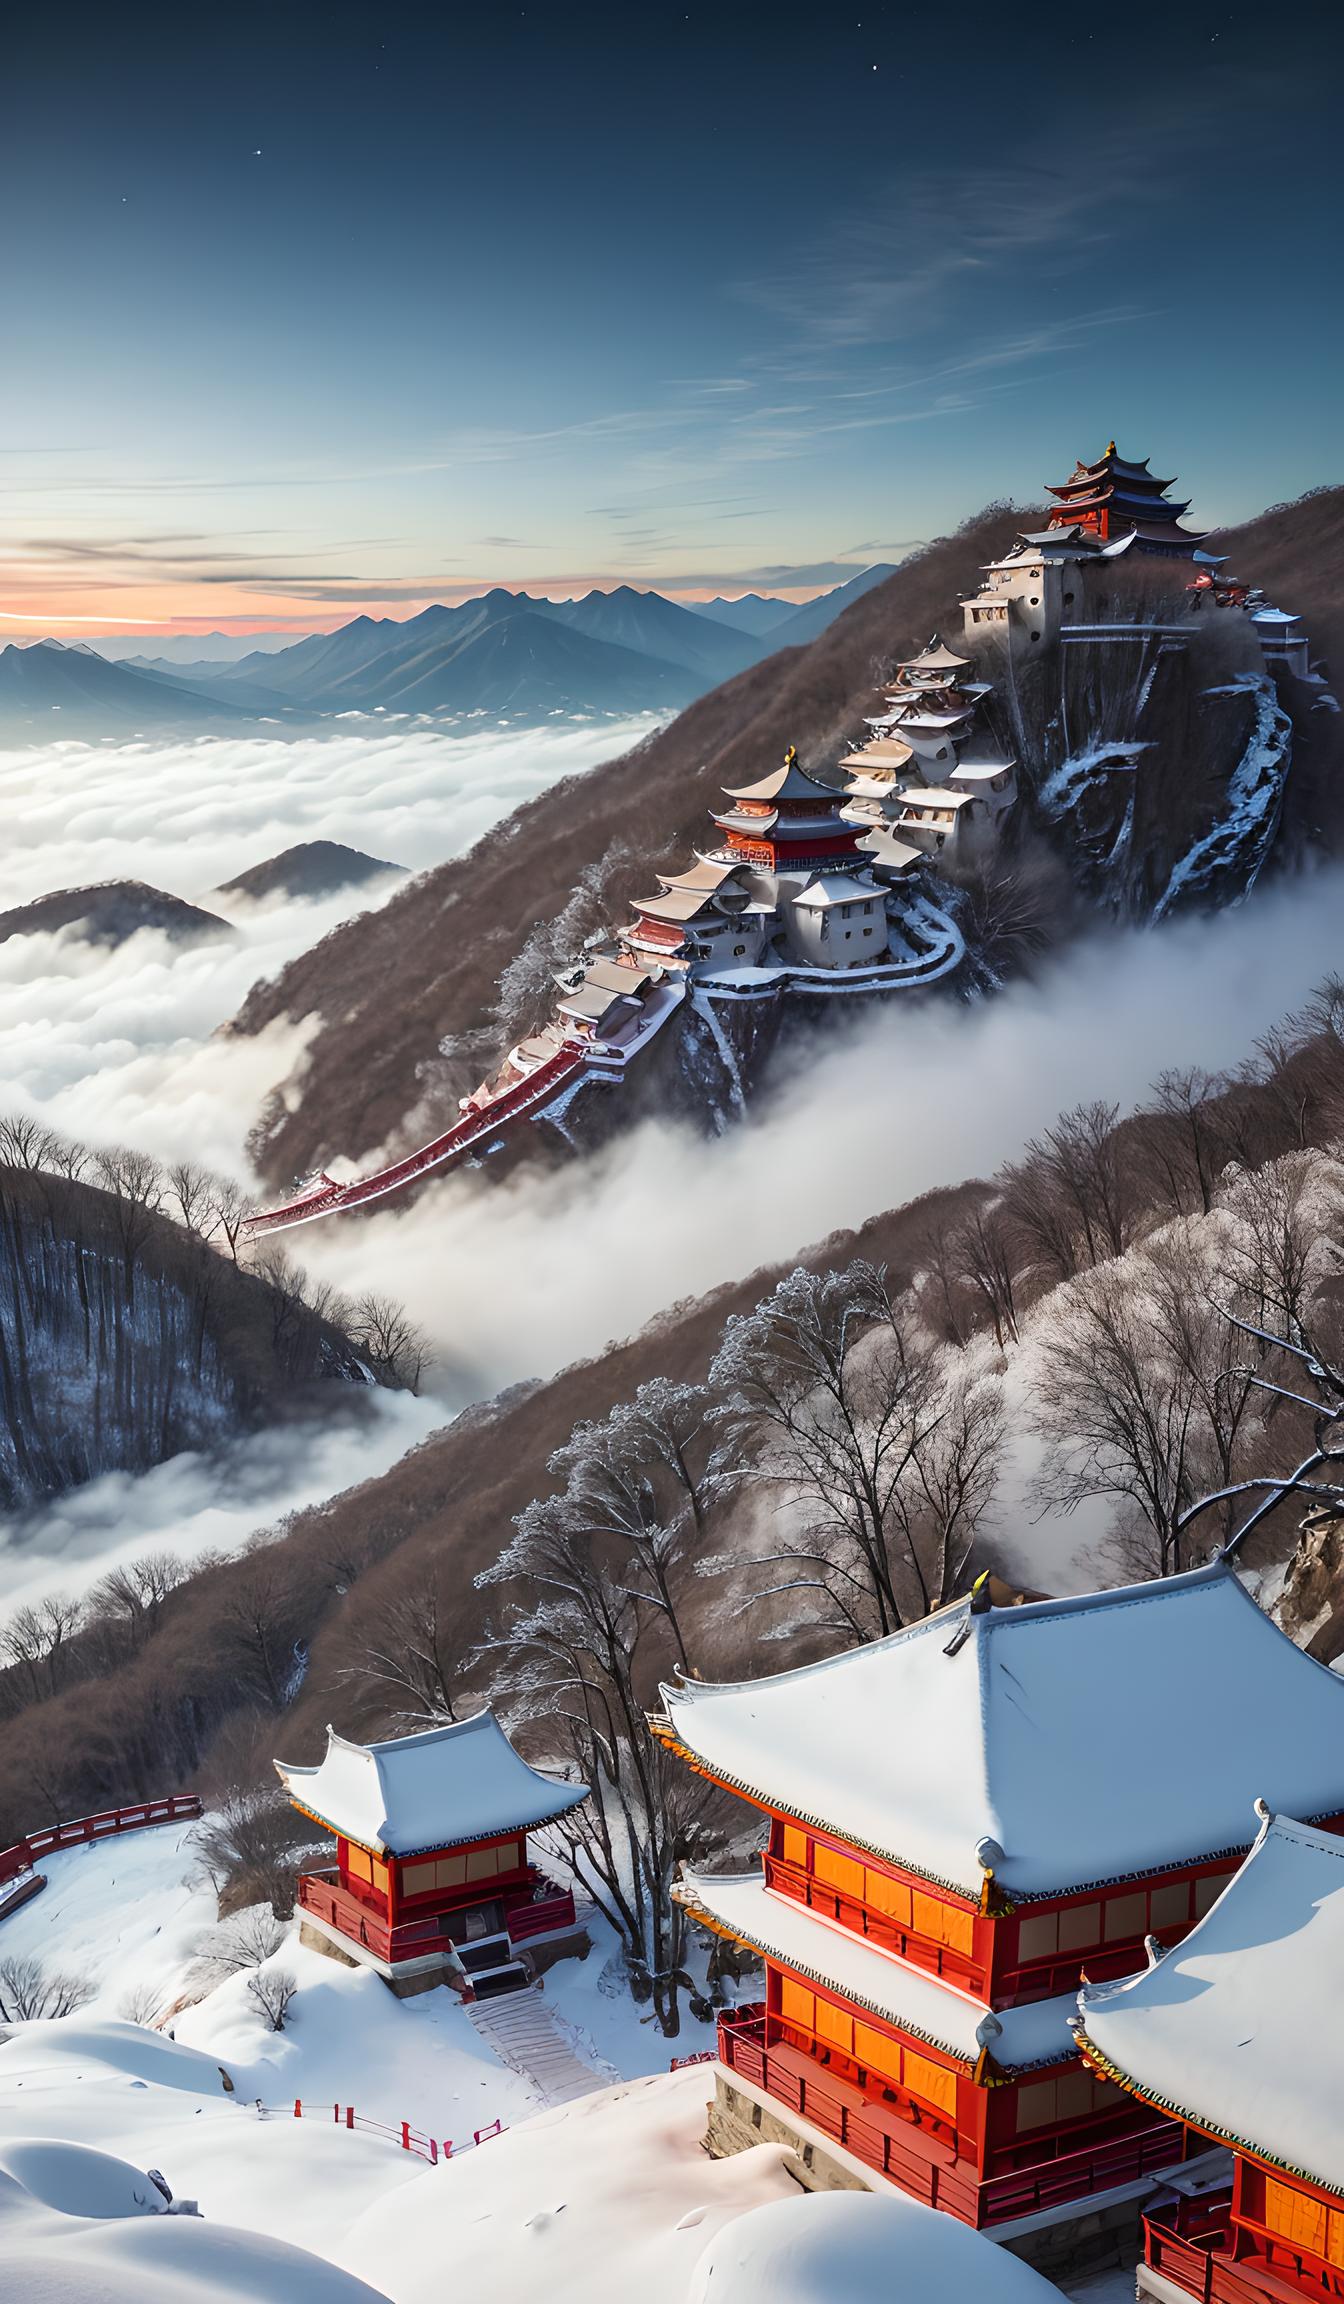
(690,1902)
(574,1798)
(1103,2066)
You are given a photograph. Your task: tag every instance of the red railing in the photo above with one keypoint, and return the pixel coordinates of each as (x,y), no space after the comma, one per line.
(1190,2244)
(181,1808)
(878,1927)
(410,2139)
(921,2160)
(323,1894)
(514,1104)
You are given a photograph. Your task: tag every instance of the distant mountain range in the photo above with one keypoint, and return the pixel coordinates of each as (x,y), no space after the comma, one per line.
(504,655)
(311,868)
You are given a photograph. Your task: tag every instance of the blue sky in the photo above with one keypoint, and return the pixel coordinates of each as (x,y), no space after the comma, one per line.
(310,309)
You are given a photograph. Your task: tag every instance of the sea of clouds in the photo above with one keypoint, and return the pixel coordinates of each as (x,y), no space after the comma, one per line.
(518,1277)
(116,1045)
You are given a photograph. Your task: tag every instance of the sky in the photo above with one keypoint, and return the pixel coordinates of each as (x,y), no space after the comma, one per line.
(313,310)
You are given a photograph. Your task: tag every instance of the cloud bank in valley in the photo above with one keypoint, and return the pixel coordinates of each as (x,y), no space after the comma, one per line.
(520,1278)
(113,1045)
(195,1503)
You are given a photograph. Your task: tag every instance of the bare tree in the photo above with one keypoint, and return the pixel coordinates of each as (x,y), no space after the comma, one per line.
(192,1191)
(131,1598)
(273,1989)
(228,1212)
(29,1992)
(36,1641)
(984,1248)
(413,1650)
(571,1655)
(832,1397)
(646,1476)
(390,1340)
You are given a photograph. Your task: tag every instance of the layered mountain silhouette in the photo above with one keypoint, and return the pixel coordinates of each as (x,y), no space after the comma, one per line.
(109,912)
(310,868)
(503,655)
(49,689)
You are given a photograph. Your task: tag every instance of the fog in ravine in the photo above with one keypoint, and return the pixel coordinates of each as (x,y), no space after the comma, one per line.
(517,1277)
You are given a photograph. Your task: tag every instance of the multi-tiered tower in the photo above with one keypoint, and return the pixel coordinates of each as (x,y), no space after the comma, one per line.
(932,772)
(1114,498)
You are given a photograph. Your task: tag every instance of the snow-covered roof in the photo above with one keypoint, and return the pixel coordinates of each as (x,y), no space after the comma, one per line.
(1040,1728)
(935,796)
(780,1928)
(439,1789)
(1233,2029)
(827,888)
(705,874)
(676,904)
(787,783)
(937,657)
(885,849)
(882,752)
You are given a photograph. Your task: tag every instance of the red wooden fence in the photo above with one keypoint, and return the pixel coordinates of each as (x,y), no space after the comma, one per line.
(410,2139)
(21,1857)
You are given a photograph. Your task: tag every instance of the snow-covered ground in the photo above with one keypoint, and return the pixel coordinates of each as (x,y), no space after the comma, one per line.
(594,2202)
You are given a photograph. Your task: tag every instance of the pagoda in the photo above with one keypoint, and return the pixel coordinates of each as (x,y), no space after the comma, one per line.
(1114,498)
(432,1882)
(786,822)
(964,1818)
(1232,2033)
(930,770)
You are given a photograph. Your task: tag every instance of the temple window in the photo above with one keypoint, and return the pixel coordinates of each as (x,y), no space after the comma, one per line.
(1081,1925)
(1126,1918)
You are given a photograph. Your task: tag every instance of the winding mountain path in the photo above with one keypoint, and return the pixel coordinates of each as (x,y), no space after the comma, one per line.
(522,2029)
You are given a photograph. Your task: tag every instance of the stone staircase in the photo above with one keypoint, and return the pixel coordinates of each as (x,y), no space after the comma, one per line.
(524,2032)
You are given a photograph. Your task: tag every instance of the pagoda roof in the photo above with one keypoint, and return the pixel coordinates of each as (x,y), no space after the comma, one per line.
(780,1928)
(883,846)
(787,783)
(1109,466)
(1233,2030)
(937,657)
(1035,1728)
(610,976)
(827,888)
(444,1788)
(936,796)
(593,1001)
(754,827)
(882,752)
(934,723)
(704,875)
(679,903)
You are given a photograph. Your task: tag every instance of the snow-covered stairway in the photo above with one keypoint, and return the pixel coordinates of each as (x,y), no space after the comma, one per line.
(523,2030)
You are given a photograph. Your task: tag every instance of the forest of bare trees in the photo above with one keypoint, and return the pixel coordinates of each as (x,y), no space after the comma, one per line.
(133,1323)
(1156,1303)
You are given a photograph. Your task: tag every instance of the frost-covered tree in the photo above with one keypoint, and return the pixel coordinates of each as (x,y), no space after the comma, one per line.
(645,1476)
(578,1651)
(882,1445)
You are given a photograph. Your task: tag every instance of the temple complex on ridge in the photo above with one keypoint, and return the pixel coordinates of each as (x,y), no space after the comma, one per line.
(1114,499)
(820,883)
(432,1883)
(1233,2033)
(964,1818)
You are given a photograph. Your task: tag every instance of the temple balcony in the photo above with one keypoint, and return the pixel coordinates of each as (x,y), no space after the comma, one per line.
(1190,2250)
(876,1927)
(532,1913)
(918,2152)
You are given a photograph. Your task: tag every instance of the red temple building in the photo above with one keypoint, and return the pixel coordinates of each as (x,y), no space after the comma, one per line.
(964,1819)
(1234,2034)
(432,1882)
(1113,498)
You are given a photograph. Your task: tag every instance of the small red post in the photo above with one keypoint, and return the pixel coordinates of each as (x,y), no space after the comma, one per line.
(447,2147)
(298,2108)
(405,2136)
(433,2153)
(349,2115)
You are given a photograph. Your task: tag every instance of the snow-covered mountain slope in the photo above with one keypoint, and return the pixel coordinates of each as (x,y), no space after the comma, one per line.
(593,2202)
